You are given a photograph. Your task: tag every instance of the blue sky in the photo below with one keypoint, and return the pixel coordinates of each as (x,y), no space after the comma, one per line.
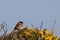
(31,12)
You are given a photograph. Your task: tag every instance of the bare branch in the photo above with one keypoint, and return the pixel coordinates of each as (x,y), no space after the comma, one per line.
(41,25)
(32,25)
(54,24)
(2,26)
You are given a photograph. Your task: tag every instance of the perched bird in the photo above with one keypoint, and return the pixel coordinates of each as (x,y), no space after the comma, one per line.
(19,25)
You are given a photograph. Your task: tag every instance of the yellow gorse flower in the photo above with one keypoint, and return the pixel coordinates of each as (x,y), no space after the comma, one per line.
(33,34)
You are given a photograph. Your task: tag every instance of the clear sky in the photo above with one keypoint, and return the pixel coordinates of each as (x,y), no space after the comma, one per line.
(31,12)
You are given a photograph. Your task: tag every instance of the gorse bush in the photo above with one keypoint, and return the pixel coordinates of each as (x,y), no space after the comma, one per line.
(31,34)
